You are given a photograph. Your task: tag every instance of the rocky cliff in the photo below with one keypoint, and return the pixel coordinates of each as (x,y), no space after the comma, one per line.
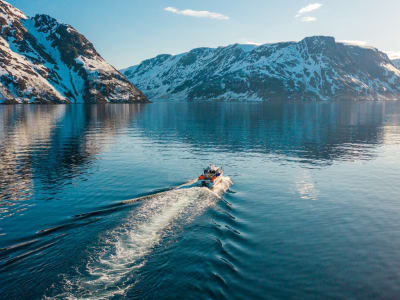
(43,61)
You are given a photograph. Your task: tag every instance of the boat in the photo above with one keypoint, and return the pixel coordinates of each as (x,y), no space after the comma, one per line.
(212,175)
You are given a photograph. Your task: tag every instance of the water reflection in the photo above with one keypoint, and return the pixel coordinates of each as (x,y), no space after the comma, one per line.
(305,186)
(44,147)
(22,128)
(314,133)
(85,159)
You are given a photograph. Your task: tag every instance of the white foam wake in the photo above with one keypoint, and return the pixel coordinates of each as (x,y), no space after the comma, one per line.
(111,268)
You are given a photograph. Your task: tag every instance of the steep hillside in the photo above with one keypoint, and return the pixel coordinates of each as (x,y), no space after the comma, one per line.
(43,61)
(316,68)
(396,63)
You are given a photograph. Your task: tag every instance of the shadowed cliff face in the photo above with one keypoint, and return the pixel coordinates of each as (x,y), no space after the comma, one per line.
(43,61)
(316,68)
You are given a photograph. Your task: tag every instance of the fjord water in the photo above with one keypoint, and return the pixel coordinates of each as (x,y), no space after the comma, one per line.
(313,211)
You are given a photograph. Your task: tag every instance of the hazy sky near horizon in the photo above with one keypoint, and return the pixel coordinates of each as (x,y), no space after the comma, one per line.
(127,31)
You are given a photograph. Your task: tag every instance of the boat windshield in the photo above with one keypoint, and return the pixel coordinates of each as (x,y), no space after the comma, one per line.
(211,170)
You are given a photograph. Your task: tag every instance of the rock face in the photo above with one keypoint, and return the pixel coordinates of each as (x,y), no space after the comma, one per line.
(43,61)
(316,68)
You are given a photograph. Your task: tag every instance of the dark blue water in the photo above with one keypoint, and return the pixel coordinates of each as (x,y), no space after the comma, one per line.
(313,212)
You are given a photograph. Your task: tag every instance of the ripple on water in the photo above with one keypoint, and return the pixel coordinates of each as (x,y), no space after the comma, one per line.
(112,263)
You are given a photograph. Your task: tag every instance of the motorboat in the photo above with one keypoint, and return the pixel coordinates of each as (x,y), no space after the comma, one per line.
(212,175)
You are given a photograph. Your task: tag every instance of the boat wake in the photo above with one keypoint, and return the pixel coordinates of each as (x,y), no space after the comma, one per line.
(110,268)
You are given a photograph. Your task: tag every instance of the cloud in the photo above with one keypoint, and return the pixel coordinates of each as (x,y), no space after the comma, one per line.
(308,19)
(197,13)
(252,43)
(309,8)
(393,54)
(353,42)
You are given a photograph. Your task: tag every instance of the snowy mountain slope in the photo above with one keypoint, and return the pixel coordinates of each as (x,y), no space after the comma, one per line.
(396,63)
(43,61)
(315,68)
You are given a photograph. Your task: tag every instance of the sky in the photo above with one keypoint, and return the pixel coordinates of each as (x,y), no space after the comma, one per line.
(125,32)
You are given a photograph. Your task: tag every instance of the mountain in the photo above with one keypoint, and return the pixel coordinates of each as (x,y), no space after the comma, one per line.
(43,61)
(316,68)
(396,63)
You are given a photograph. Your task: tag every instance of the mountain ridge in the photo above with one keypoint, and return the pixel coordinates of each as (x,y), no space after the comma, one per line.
(396,63)
(316,68)
(44,61)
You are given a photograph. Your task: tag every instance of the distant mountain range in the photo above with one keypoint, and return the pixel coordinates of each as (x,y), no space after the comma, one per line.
(316,68)
(43,61)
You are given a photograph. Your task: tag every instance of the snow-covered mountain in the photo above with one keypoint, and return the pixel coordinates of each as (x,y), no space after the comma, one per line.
(43,61)
(396,63)
(317,67)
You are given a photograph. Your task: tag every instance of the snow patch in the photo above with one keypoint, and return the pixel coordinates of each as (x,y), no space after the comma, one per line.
(302,68)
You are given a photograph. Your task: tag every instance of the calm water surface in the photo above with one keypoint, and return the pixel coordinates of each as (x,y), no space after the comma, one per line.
(313,212)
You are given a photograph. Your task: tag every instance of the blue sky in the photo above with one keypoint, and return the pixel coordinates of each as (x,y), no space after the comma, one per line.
(127,31)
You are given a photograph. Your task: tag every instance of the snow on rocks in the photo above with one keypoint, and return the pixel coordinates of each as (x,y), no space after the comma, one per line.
(316,68)
(43,61)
